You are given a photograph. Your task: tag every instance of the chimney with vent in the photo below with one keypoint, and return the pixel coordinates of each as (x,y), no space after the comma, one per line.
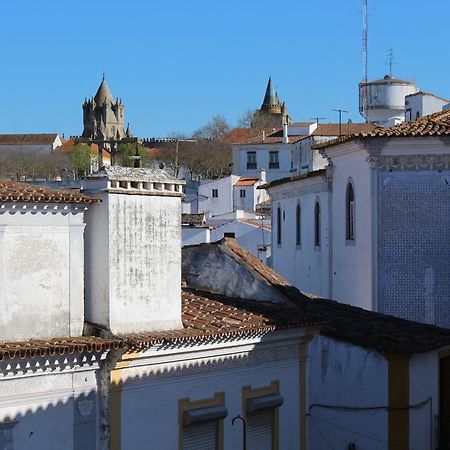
(133,250)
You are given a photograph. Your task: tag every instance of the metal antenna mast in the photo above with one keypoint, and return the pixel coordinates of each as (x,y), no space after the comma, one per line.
(390,57)
(364,99)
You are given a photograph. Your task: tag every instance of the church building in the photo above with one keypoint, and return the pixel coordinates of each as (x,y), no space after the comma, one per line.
(273,112)
(103,117)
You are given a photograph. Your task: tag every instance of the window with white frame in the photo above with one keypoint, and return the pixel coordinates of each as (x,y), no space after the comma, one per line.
(242,193)
(215,193)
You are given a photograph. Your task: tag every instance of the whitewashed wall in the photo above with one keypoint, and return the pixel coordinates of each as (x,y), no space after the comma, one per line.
(223,203)
(172,378)
(346,375)
(285,155)
(352,270)
(195,235)
(41,269)
(305,266)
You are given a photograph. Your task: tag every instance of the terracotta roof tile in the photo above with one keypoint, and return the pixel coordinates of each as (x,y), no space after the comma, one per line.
(40,348)
(246,181)
(437,124)
(332,129)
(209,316)
(69,144)
(12,191)
(256,223)
(27,139)
(313,173)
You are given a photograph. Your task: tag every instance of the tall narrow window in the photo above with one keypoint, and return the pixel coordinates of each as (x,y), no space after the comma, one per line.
(273,160)
(298,225)
(317,225)
(279,226)
(350,212)
(251,160)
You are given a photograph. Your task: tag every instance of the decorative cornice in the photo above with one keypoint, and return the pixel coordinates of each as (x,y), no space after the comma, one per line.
(409,162)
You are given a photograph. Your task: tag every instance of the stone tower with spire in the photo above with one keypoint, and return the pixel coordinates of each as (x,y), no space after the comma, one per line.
(273,113)
(103,117)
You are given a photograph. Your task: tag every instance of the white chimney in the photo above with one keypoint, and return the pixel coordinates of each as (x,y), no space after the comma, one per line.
(133,250)
(263,136)
(285,134)
(262,175)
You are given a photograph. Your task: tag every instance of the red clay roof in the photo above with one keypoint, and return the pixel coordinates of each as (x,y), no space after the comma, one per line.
(27,139)
(246,181)
(12,191)
(256,223)
(437,124)
(209,316)
(39,348)
(332,129)
(69,144)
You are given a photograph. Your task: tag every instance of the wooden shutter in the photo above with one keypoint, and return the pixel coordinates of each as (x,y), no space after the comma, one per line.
(259,430)
(202,436)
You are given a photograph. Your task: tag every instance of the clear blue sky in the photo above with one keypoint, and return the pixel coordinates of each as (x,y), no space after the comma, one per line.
(177,63)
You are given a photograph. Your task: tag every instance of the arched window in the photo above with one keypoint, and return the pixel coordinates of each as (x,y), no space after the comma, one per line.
(298,225)
(350,212)
(317,225)
(279,225)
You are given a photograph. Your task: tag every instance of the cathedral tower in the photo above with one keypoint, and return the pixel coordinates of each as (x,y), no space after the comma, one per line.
(103,117)
(273,113)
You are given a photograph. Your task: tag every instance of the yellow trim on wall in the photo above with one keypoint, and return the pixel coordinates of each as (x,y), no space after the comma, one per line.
(185,404)
(273,388)
(398,400)
(115,419)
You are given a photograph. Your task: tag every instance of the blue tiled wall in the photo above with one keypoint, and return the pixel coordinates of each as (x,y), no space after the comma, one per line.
(414,245)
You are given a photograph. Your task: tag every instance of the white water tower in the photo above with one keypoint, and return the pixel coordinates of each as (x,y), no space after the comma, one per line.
(385,98)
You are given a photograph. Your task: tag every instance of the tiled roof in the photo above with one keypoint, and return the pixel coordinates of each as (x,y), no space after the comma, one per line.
(256,223)
(386,334)
(27,139)
(40,348)
(12,191)
(246,181)
(67,147)
(437,124)
(209,316)
(332,129)
(252,136)
(313,173)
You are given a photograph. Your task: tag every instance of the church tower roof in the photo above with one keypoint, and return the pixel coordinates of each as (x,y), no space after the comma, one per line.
(271,97)
(103,93)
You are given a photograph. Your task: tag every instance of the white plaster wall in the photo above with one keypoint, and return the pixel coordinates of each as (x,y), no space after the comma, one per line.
(285,156)
(195,235)
(44,404)
(246,203)
(223,203)
(346,375)
(423,104)
(423,385)
(157,427)
(352,261)
(305,266)
(41,269)
(144,262)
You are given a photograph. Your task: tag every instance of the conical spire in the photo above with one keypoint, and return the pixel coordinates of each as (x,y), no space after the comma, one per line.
(129,133)
(270,98)
(103,93)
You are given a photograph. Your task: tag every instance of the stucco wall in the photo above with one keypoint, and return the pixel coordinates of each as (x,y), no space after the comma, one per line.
(352,260)
(41,269)
(214,206)
(195,235)
(134,258)
(157,427)
(346,375)
(305,266)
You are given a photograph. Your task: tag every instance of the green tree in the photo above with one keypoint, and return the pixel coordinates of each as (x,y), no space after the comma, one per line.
(126,154)
(80,159)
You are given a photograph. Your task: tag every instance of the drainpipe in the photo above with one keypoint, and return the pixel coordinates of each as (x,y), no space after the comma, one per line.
(104,390)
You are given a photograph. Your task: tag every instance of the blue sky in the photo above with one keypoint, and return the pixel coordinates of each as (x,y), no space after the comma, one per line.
(177,63)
